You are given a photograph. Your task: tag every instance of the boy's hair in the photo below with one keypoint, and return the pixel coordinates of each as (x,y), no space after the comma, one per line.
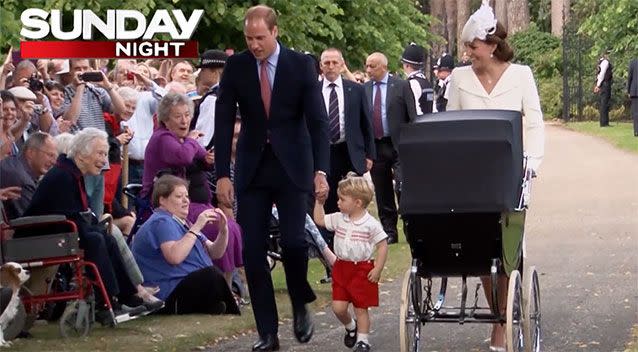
(357,187)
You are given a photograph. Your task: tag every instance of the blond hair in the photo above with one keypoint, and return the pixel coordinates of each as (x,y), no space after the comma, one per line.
(357,187)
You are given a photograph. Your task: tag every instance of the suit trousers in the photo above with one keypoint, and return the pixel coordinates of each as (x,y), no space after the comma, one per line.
(271,184)
(340,165)
(605,101)
(385,170)
(634,114)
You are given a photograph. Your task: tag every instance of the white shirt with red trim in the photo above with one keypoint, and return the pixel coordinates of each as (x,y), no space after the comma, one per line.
(354,240)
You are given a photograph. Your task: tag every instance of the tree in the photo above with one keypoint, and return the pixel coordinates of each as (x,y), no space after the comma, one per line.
(462,15)
(358,27)
(560,16)
(500,11)
(450,16)
(438,26)
(517,16)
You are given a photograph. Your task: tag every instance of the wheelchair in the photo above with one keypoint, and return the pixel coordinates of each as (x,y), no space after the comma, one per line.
(38,242)
(465,193)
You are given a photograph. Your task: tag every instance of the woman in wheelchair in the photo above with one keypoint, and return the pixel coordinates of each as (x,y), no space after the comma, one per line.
(174,254)
(64,184)
(493,82)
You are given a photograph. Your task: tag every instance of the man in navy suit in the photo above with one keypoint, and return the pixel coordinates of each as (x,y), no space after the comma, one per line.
(349,125)
(391,104)
(282,156)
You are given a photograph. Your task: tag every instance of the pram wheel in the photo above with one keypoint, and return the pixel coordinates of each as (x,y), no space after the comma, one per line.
(410,323)
(75,320)
(514,315)
(532,311)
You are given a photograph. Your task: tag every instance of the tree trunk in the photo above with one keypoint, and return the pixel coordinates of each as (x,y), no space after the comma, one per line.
(500,11)
(560,16)
(462,14)
(517,16)
(450,9)
(438,27)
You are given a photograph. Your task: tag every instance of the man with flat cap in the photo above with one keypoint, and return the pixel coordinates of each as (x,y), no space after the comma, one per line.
(412,60)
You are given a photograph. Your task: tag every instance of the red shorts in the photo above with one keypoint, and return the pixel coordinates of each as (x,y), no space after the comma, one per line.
(350,284)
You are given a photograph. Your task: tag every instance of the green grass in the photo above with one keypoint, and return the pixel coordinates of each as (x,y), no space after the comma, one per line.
(620,134)
(183,333)
(632,345)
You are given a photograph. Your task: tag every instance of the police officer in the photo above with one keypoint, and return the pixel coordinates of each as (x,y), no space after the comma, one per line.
(604,79)
(445,66)
(412,59)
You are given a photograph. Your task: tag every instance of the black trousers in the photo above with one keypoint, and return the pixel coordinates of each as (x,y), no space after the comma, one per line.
(271,184)
(605,100)
(201,291)
(101,249)
(385,170)
(340,165)
(634,114)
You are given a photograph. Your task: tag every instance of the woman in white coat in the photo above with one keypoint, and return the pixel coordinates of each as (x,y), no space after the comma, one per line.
(493,82)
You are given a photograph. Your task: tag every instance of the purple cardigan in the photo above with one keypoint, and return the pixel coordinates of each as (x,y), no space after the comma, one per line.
(165,151)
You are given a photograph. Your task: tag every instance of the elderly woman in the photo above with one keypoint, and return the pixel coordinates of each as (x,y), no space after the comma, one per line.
(172,147)
(118,137)
(64,183)
(174,254)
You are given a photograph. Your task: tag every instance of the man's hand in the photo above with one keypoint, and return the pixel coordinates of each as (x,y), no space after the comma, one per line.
(596,89)
(225,192)
(369,164)
(321,186)
(105,82)
(10,193)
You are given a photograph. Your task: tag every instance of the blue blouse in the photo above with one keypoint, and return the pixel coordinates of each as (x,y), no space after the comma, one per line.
(159,228)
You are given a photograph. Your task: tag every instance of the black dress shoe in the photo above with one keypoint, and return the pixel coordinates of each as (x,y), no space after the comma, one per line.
(302,324)
(269,342)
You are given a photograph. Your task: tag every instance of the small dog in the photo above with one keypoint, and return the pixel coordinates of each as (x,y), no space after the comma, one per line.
(13,276)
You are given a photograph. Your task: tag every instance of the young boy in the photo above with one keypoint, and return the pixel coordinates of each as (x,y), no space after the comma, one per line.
(355,275)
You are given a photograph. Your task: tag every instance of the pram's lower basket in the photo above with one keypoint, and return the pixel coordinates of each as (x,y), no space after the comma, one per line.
(465,244)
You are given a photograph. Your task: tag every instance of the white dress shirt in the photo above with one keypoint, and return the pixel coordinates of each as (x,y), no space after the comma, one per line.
(340,98)
(604,65)
(515,90)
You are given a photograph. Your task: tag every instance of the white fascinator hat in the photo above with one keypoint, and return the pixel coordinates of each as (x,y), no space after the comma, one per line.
(480,24)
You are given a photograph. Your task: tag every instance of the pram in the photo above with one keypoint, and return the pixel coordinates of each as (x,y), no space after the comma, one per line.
(465,194)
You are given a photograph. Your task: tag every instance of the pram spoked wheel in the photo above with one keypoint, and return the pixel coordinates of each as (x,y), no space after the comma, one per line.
(410,324)
(532,311)
(514,314)
(75,321)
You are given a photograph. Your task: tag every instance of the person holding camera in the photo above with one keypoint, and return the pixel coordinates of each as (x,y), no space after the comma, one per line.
(85,104)
(41,118)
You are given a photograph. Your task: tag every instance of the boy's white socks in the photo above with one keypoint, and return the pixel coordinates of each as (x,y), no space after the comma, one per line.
(351,326)
(362,337)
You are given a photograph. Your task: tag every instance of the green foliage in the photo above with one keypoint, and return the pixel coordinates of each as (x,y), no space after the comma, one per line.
(358,27)
(540,50)
(611,24)
(550,91)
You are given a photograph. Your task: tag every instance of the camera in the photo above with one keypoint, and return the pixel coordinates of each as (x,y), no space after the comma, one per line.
(92,76)
(35,85)
(38,108)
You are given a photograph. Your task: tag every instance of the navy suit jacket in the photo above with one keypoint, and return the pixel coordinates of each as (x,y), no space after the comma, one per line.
(358,125)
(297,127)
(400,105)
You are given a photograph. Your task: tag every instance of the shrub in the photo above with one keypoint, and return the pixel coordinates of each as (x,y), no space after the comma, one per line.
(550,91)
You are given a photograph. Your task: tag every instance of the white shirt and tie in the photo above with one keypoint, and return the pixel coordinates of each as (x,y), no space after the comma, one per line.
(325,91)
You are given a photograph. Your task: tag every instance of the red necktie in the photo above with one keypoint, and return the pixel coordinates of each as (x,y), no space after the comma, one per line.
(264,84)
(377,123)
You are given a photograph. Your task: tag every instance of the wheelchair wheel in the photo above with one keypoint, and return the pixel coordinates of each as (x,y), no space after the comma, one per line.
(514,315)
(75,320)
(532,311)
(409,323)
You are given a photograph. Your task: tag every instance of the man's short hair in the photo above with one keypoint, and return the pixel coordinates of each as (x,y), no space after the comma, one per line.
(262,12)
(36,140)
